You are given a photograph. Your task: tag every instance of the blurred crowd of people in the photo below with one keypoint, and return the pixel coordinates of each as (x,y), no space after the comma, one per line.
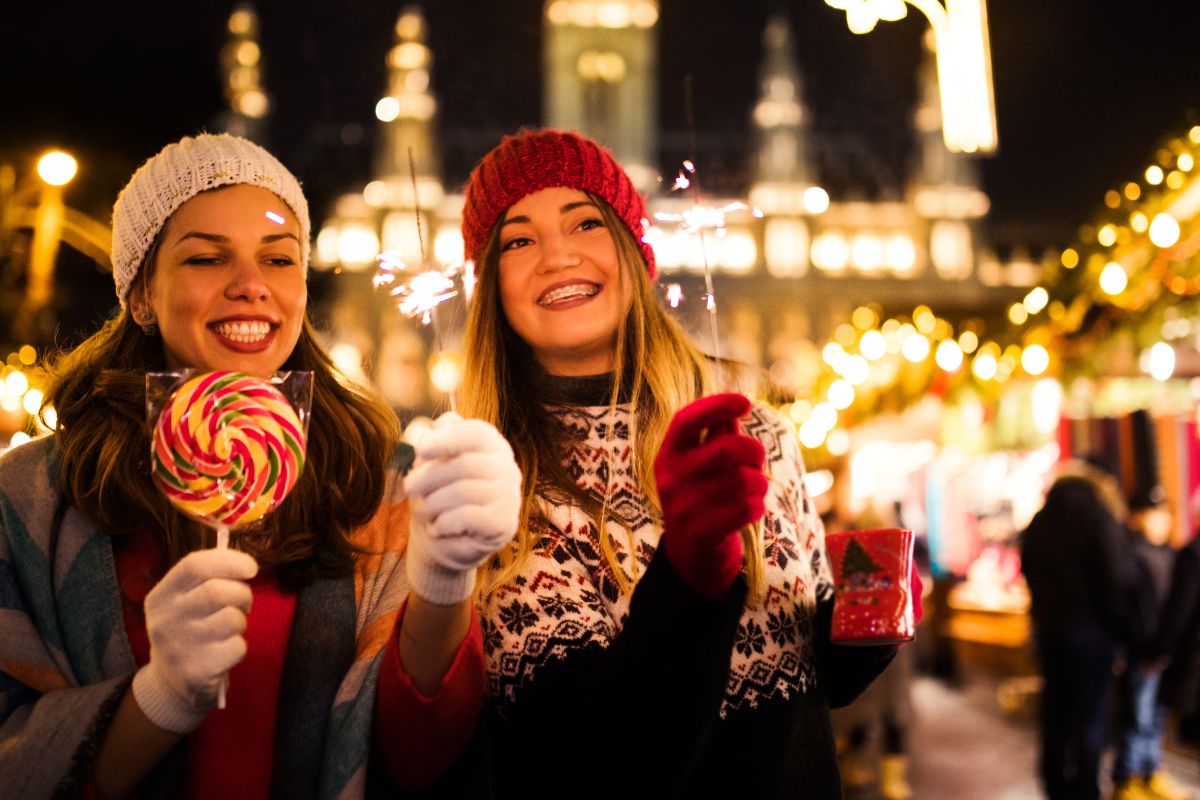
(1116,618)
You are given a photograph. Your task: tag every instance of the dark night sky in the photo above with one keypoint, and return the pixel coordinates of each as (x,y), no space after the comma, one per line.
(1085,91)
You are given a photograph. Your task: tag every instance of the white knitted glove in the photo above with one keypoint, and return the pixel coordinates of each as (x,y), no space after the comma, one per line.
(465,489)
(195,618)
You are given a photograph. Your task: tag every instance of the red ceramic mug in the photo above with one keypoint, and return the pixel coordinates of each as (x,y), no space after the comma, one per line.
(871,573)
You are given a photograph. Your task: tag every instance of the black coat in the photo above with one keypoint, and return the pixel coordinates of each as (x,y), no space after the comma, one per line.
(1179,634)
(1076,561)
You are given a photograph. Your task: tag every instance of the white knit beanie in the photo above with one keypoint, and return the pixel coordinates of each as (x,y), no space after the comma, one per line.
(180,172)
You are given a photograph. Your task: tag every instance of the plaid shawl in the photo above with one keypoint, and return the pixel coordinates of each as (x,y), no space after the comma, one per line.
(65,659)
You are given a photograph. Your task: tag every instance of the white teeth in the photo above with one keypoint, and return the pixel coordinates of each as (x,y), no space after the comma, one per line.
(568,292)
(244,331)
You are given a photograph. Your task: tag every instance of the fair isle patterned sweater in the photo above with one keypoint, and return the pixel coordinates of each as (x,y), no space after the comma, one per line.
(706,693)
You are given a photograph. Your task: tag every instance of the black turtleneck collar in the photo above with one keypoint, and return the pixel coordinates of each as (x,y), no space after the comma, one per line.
(581,390)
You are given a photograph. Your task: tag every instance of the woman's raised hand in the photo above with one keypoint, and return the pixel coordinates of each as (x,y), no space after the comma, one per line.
(195,618)
(711,484)
(465,489)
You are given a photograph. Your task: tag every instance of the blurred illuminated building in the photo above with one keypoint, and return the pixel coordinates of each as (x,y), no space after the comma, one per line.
(241,66)
(784,279)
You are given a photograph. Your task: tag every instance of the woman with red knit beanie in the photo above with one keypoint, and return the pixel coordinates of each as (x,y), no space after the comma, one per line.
(664,609)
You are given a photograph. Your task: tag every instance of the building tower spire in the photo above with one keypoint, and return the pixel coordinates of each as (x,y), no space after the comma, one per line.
(601,68)
(241,63)
(780,116)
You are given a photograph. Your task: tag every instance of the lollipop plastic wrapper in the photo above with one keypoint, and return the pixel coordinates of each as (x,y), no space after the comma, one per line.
(227,447)
(872,597)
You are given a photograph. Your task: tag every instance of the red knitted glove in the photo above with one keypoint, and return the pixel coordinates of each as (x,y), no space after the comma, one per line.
(915,588)
(710,486)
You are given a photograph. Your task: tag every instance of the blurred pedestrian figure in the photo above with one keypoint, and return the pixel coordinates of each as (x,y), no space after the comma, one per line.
(1177,644)
(1141,718)
(1072,555)
(1141,715)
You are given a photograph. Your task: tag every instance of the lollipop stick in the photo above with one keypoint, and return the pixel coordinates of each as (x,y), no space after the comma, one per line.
(222,544)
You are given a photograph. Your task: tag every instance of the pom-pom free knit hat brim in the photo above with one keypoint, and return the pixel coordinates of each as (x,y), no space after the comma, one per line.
(179,172)
(533,160)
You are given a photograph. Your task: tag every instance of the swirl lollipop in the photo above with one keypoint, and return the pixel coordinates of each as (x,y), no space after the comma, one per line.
(227,449)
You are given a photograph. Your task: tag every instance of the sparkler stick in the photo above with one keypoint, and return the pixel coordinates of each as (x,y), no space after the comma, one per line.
(424,292)
(710,299)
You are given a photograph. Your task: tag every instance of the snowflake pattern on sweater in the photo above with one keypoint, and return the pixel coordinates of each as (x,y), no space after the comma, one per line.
(566,598)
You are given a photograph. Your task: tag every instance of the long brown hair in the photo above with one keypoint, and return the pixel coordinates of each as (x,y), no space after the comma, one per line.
(655,365)
(98,392)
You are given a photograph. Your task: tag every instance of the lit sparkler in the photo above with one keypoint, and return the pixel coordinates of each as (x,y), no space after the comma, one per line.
(421,294)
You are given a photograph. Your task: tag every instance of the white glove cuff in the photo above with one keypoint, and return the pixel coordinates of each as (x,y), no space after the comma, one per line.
(437,584)
(162,706)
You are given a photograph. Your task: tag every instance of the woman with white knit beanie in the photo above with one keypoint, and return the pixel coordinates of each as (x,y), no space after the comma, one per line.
(344,626)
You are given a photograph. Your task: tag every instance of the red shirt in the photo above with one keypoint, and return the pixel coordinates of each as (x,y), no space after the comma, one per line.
(414,738)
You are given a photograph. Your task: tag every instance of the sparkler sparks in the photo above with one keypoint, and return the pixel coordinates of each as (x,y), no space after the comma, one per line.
(421,294)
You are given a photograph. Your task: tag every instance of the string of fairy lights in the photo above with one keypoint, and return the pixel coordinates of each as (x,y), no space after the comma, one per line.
(1135,267)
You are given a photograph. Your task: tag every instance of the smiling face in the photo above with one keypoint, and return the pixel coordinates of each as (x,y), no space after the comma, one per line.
(560,281)
(227,286)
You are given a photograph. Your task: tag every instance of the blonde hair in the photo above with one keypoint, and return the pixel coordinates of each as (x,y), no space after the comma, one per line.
(655,365)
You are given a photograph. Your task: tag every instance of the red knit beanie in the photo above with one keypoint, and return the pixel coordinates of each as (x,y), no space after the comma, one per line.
(533,160)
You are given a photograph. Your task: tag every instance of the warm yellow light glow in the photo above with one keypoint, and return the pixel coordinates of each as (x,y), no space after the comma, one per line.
(445,372)
(841,394)
(241,22)
(253,104)
(57,168)
(1139,222)
(16,384)
(1133,191)
(812,435)
(872,345)
(1047,404)
(357,245)
(1154,175)
(948,356)
(864,318)
(33,401)
(825,416)
(19,438)
(247,53)
(845,335)
(387,109)
(1164,230)
(1036,300)
(984,366)
(1185,162)
(838,443)
(1107,236)
(1035,359)
(50,417)
(1112,198)
(1194,134)
(833,353)
(375,193)
(915,348)
(924,319)
(968,341)
(856,369)
(800,411)
(1158,361)
(1113,279)
(1174,179)
(1070,258)
(27,355)
(1017,314)
(815,200)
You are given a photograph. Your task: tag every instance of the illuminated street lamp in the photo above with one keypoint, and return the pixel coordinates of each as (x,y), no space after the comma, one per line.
(56,169)
(964,62)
